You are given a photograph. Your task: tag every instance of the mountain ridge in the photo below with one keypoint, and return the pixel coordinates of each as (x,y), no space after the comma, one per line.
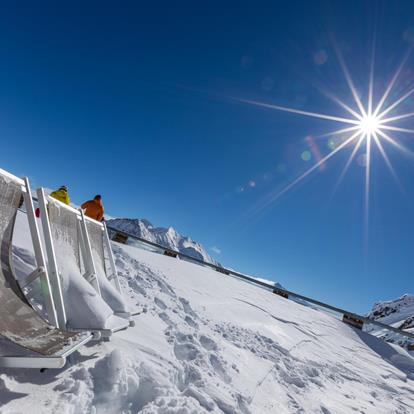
(165,236)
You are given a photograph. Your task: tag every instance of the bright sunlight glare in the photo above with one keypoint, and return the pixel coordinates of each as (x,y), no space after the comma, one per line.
(369,125)
(365,128)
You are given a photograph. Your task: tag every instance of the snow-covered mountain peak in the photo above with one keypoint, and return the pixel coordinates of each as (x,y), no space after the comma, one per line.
(398,312)
(168,237)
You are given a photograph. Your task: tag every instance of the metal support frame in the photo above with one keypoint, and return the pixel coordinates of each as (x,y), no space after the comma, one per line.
(114,275)
(87,256)
(41,271)
(36,274)
(52,262)
(37,361)
(31,342)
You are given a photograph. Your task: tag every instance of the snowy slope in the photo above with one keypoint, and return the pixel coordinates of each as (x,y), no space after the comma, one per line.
(212,343)
(166,237)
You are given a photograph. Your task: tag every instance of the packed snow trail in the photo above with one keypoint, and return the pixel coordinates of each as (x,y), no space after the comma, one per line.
(209,343)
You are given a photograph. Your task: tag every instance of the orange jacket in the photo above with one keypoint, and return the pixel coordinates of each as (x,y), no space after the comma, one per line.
(93,209)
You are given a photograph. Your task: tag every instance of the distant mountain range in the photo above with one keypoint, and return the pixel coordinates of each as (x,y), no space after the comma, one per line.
(167,237)
(398,313)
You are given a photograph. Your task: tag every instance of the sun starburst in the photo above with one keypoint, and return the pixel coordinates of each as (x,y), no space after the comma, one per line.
(367,126)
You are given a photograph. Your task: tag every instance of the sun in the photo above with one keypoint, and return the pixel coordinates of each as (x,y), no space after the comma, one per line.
(369,126)
(366,126)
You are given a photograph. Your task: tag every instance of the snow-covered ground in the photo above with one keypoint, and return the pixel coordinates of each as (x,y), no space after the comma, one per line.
(212,343)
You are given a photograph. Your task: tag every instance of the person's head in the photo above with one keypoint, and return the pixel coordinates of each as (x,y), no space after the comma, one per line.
(98,197)
(64,188)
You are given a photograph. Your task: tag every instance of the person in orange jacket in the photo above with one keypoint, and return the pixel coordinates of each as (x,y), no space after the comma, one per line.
(94,208)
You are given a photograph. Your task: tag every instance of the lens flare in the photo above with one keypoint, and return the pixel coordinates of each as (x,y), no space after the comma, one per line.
(366,127)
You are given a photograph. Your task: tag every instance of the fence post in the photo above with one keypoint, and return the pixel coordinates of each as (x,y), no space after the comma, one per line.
(43,273)
(86,250)
(111,259)
(52,263)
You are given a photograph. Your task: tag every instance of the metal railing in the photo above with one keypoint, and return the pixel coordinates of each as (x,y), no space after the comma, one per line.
(347,316)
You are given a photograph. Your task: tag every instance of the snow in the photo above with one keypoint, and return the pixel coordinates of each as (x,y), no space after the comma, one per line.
(210,343)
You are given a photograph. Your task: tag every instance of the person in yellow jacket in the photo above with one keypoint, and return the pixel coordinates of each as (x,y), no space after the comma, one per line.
(61,194)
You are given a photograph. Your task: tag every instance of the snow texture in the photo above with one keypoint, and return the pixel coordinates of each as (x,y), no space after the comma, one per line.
(210,343)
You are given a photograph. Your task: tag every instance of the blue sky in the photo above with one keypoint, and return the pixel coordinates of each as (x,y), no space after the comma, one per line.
(134,102)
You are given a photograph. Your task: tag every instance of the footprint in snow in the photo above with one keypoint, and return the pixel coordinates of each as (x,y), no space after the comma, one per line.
(207,343)
(160,303)
(218,367)
(187,307)
(186,352)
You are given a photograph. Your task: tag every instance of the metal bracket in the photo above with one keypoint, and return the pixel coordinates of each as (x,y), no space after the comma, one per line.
(353,320)
(221,270)
(37,273)
(120,238)
(90,277)
(280,292)
(169,253)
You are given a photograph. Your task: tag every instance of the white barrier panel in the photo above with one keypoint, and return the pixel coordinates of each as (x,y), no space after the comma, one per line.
(27,340)
(65,244)
(105,275)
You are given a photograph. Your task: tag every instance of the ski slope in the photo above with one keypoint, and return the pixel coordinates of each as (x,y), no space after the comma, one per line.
(212,343)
